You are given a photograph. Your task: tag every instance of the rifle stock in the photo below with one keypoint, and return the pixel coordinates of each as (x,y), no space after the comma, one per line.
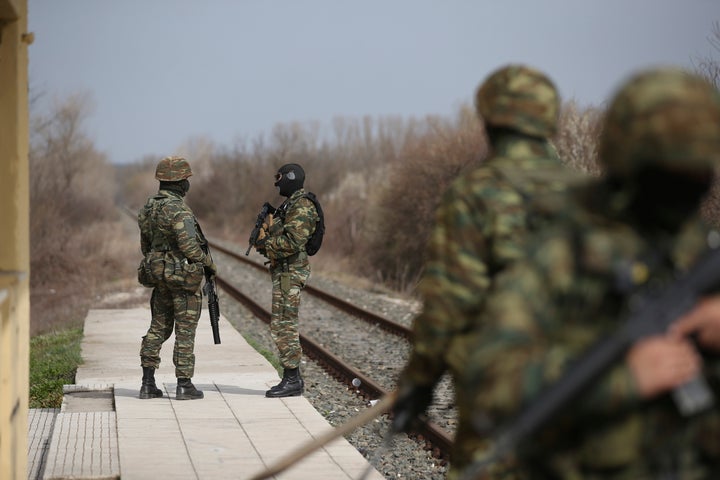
(654,315)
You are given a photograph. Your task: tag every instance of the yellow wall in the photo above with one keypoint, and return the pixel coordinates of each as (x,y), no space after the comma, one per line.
(14,239)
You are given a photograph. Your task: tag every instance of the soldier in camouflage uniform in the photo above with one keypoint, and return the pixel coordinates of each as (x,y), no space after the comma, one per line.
(282,240)
(480,228)
(637,226)
(172,244)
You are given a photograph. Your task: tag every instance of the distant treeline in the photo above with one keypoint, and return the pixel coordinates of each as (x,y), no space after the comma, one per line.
(379,181)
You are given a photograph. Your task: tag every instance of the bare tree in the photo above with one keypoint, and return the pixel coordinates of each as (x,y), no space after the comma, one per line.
(71,186)
(709,66)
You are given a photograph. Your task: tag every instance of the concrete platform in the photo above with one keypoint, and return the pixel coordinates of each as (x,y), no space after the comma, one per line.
(40,427)
(232,433)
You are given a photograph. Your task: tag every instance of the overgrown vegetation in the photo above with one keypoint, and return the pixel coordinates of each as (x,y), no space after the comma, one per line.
(54,358)
(76,238)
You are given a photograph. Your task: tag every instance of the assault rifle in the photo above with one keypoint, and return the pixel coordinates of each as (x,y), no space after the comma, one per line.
(213,305)
(266,209)
(654,313)
(211,294)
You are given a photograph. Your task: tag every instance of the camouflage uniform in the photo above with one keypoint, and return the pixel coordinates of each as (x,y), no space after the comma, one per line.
(481,225)
(574,286)
(168,228)
(292,226)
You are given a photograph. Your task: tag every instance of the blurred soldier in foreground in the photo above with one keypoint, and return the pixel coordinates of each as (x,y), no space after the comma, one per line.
(481,226)
(283,240)
(174,262)
(627,234)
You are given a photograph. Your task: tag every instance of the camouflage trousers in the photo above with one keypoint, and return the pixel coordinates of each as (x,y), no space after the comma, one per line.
(469,444)
(287,285)
(178,310)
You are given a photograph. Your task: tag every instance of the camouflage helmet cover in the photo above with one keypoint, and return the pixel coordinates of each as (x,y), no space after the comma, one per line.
(520,98)
(663,117)
(173,169)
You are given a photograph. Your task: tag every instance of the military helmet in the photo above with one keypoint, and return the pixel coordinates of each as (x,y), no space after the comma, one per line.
(173,169)
(662,117)
(520,98)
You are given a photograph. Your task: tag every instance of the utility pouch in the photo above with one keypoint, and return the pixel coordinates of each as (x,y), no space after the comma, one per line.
(151,270)
(285,282)
(179,274)
(145,277)
(156,264)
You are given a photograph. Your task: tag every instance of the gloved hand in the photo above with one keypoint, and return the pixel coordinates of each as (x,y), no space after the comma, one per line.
(211,269)
(262,236)
(261,239)
(412,401)
(268,222)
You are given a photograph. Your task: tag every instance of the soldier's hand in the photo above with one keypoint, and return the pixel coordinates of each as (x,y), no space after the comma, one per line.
(262,238)
(260,242)
(703,322)
(412,401)
(268,222)
(662,362)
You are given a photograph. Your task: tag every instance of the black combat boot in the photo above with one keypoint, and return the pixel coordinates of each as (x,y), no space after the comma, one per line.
(186,390)
(282,382)
(148,388)
(293,385)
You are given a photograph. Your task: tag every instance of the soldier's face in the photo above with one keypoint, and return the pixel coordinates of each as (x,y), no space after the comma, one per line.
(283,182)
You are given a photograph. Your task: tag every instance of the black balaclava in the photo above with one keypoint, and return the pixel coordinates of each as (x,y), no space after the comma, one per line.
(289,179)
(664,200)
(181,187)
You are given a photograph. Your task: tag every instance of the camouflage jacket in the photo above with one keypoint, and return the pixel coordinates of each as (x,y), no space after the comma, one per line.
(572,289)
(167,224)
(293,224)
(480,227)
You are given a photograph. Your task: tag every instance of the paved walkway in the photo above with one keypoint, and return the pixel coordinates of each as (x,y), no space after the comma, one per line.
(105,431)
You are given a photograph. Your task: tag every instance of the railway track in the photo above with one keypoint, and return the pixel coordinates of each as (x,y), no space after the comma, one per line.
(437,439)
(366,315)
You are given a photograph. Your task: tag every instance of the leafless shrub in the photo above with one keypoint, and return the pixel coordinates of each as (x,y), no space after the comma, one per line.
(401,211)
(71,194)
(709,66)
(577,137)
(135,182)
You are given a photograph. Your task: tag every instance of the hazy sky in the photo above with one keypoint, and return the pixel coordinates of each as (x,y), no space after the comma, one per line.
(162,71)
